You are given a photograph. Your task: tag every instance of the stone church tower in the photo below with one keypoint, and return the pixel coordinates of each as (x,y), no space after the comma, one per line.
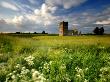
(63,29)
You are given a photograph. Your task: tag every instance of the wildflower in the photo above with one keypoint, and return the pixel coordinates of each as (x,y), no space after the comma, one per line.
(37,77)
(13,76)
(63,66)
(17,66)
(18,75)
(40,68)
(10,74)
(105,73)
(32,70)
(86,69)
(79,73)
(50,62)
(35,74)
(46,66)
(29,60)
(23,68)
(24,71)
(14,71)
(85,80)
(68,79)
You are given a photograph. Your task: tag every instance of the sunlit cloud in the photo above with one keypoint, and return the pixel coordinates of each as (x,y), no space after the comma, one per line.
(9,6)
(27,15)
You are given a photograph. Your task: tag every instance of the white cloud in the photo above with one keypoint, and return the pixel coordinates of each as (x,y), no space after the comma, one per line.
(18,19)
(46,9)
(9,5)
(42,16)
(104,21)
(37,11)
(2,21)
(6,27)
(65,3)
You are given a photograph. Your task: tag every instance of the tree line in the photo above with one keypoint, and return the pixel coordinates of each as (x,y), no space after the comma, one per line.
(98,31)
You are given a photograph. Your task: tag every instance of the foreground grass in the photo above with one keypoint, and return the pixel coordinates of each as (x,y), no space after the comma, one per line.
(55,59)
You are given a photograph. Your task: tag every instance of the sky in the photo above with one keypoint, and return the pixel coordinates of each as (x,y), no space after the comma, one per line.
(39,15)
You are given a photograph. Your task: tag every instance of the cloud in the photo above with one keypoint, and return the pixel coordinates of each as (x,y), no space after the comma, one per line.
(103,22)
(45,9)
(104,17)
(48,15)
(2,21)
(65,3)
(7,27)
(42,17)
(18,19)
(9,5)
(32,1)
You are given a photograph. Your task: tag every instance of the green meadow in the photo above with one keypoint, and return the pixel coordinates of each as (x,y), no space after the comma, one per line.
(32,58)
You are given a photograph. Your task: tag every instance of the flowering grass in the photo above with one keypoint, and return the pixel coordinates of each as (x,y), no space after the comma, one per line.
(55,59)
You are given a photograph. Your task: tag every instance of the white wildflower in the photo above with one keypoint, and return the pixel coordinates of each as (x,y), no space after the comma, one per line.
(13,76)
(50,62)
(30,60)
(86,69)
(23,68)
(24,71)
(46,66)
(85,80)
(10,74)
(14,71)
(78,75)
(37,77)
(17,66)
(63,66)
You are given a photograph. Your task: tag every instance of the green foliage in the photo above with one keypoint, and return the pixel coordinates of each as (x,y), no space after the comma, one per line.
(55,59)
(5,45)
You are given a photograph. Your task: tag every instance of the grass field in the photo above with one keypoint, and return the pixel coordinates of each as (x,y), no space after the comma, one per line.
(54,58)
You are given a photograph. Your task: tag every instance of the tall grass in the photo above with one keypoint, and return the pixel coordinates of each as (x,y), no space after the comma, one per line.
(59,59)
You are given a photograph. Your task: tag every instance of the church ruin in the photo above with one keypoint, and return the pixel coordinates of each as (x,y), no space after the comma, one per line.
(63,30)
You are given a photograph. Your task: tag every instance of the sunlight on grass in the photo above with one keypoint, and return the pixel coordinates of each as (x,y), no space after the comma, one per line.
(55,59)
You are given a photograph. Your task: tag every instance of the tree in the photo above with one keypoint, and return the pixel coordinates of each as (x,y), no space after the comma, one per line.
(80,33)
(43,32)
(101,31)
(35,32)
(96,30)
(18,32)
(75,31)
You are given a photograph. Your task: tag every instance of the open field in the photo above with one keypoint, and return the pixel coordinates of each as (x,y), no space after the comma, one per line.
(54,58)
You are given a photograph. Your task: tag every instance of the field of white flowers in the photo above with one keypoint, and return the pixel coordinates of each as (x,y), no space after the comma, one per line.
(54,59)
